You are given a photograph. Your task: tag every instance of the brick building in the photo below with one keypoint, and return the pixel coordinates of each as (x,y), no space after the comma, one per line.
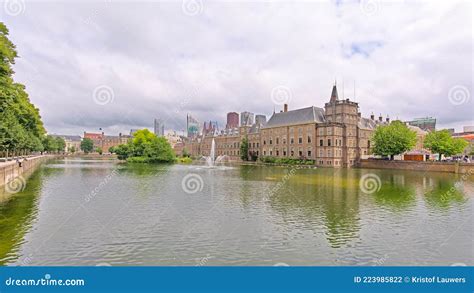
(106,141)
(333,136)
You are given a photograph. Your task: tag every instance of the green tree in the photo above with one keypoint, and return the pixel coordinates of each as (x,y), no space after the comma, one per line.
(87,145)
(60,144)
(442,143)
(393,139)
(185,153)
(72,149)
(99,150)
(50,144)
(244,149)
(146,147)
(123,151)
(21,129)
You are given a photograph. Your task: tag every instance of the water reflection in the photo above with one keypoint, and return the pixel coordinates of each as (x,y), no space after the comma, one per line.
(83,212)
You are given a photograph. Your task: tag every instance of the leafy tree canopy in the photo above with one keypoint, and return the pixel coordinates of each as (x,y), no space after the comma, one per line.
(393,139)
(442,143)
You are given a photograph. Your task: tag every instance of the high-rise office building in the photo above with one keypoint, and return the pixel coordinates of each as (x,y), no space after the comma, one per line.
(192,126)
(232,120)
(246,118)
(159,127)
(426,123)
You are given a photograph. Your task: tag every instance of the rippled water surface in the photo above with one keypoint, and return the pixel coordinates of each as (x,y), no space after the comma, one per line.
(100,212)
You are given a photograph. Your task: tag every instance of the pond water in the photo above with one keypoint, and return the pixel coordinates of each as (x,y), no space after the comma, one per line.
(101,212)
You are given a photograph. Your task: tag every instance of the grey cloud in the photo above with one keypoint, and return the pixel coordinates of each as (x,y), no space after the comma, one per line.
(163,63)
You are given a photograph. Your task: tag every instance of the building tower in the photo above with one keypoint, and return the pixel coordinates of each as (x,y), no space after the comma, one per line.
(246,118)
(232,120)
(159,127)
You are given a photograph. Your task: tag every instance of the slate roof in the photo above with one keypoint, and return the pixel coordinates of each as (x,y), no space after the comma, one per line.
(295,117)
(366,123)
(68,137)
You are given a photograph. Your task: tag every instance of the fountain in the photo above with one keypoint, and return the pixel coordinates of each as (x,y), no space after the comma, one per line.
(211,159)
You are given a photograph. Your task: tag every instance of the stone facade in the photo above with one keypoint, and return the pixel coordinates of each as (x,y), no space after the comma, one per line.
(336,136)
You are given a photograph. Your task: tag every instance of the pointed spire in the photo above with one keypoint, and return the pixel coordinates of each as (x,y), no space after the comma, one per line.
(334,96)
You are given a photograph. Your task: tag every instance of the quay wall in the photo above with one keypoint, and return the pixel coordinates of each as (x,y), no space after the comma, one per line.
(450,167)
(11,169)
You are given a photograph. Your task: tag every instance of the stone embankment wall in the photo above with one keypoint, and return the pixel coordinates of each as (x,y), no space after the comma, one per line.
(450,167)
(11,169)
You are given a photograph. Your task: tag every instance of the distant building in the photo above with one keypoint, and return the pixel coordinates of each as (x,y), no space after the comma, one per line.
(104,142)
(246,119)
(260,119)
(451,130)
(72,142)
(232,120)
(334,136)
(159,127)
(210,128)
(468,129)
(426,123)
(192,126)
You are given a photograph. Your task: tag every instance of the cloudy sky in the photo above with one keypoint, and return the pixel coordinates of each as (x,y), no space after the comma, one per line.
(117,65)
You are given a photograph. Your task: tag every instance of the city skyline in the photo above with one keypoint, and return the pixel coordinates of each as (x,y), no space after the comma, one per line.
(169,61)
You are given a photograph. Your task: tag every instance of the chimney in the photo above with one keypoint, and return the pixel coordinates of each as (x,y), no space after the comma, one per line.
(285,108)
(380,118)
(372,116)
(387,119)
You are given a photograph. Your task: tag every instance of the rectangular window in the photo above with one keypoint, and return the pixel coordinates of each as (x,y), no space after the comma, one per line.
(277,153)
(300,153)
(329,142)
(284,153)
(300,140)
(309,139)
(277,140)
(309,153)
(292,140)
(320,142)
